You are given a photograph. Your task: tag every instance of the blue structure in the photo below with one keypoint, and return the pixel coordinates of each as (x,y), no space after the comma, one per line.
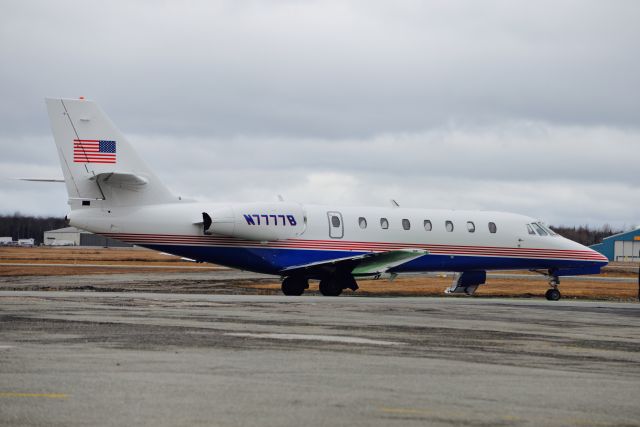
(621,247)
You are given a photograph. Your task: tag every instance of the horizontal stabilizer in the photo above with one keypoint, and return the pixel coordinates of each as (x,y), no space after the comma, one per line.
(41,179)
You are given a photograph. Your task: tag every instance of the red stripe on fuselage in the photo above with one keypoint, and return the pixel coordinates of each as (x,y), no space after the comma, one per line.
(359,246)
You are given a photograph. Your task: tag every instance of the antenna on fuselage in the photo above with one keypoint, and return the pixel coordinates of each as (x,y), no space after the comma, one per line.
(394,204)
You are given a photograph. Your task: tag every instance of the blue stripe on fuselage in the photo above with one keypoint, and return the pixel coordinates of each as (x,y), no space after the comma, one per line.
(274,260)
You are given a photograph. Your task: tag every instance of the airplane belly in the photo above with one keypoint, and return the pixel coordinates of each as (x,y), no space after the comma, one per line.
(259,260)
(274,260)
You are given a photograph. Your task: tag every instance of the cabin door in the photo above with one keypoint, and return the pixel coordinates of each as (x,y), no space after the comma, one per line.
(336,226)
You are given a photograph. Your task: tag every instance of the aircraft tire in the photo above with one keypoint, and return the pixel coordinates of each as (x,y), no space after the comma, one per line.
(552,295)
(294,286)
(330,287)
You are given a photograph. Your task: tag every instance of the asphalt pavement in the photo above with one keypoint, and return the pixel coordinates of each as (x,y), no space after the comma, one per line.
(113,359)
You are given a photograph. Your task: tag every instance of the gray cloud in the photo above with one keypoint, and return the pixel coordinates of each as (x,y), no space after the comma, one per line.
(530,107)
(564,174)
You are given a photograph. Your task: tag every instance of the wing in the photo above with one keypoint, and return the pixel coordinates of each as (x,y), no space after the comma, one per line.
(370,264)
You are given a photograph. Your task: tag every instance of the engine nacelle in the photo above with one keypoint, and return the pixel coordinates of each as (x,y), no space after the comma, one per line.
(258,221)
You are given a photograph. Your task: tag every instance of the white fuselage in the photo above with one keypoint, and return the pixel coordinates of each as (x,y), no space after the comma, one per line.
(456,240)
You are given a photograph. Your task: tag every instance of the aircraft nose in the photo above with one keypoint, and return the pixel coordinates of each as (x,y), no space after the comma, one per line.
(585,252)
(598,256)
(594,255)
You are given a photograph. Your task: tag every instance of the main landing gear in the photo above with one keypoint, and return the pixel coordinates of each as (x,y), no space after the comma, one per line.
(553,294)
(294,285)
(330,286)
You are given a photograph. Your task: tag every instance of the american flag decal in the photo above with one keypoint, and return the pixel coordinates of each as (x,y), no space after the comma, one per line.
(94,151)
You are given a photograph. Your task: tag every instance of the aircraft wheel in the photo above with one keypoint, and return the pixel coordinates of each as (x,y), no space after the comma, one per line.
(294,286)
(552,294)
(330,287)
(350,283)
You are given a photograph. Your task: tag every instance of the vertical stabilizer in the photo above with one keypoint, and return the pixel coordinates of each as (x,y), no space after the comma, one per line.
(100,166)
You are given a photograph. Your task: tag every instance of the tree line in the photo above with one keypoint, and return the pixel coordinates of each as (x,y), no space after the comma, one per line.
(20,226)
(584,234)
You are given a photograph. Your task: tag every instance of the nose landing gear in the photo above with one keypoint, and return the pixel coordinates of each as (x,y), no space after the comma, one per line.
(553,294)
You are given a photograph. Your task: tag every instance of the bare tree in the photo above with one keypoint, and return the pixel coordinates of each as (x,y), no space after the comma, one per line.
(584,234)
(20,226)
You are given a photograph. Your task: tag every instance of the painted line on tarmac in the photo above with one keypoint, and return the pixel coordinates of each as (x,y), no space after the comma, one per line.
(304,337)
(10,394)
(441,413)
(407,411)
(185,267)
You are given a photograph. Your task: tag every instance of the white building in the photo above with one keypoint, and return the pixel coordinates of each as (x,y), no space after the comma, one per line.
(68,236)
(26,242)
(71,236)
(6,241)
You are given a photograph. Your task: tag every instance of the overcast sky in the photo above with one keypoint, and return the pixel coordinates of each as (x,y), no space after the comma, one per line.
(529,107)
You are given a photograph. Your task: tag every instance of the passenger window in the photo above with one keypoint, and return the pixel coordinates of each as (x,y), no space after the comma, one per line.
(471,226)
(427,225)
(406,224)
(384,223)
(335,221)
(539,230)
(530,230)
(449,226)
(362,222)
(492,227)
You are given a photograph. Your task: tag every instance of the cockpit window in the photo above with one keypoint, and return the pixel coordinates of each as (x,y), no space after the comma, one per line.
(530,229)
(539,229)
(548,229)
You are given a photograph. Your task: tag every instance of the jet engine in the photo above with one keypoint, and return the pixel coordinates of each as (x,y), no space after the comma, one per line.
(256,221)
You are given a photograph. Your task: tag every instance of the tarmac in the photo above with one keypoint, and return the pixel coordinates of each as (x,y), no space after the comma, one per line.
(113,359)
(218,281)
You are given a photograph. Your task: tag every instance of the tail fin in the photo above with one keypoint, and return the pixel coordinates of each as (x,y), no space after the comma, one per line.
(100,166)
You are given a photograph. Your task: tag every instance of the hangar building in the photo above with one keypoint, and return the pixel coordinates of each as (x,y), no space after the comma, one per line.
(621,247)
(71,236)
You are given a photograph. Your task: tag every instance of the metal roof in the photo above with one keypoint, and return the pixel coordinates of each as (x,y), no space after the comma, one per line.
(67,230)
